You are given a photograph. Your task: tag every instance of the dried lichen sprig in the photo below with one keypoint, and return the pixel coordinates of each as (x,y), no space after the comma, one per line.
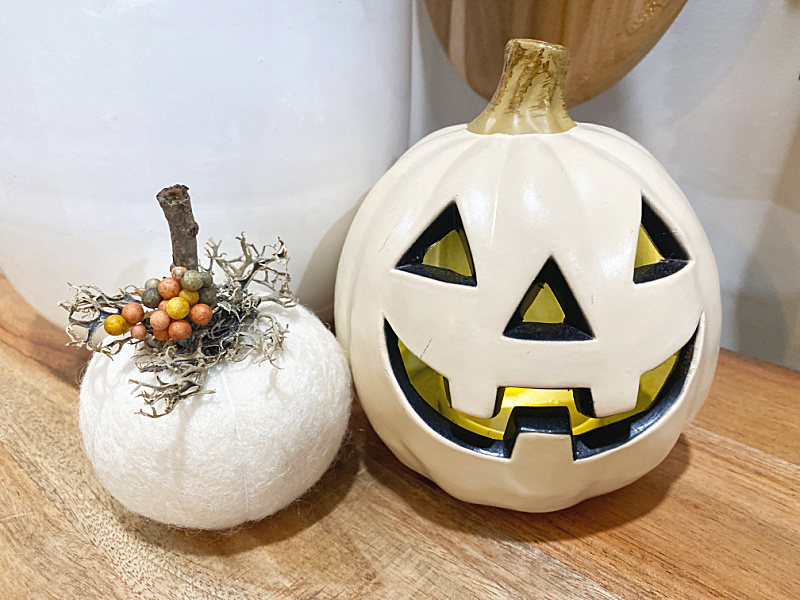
(239,327)
(181,374)
(269,268)
(230,327)
(88,309)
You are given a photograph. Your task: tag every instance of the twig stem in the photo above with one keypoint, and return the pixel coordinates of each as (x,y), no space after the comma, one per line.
(177,207)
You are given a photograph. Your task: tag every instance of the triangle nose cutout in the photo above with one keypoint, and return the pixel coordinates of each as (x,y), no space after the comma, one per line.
(549,310)
(658,252)
(442,251)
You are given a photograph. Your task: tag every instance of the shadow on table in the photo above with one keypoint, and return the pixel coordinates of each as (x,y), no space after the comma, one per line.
(589,517)
(303,513)
(419,495)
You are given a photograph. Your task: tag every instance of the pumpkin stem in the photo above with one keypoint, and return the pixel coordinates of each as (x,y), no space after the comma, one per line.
(530,95)
(177,207)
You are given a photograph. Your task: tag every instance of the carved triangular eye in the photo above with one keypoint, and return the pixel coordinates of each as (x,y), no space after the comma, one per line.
(549,310)
(658,252)
(442,251)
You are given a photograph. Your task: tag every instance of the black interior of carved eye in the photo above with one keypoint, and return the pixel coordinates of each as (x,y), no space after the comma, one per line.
(658,253)
(546,419)
(442,251)
(549,310)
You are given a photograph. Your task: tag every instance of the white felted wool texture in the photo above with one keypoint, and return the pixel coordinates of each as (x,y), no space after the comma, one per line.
(259,442)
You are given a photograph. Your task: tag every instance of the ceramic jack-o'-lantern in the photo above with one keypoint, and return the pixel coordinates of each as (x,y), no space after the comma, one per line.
(530,306)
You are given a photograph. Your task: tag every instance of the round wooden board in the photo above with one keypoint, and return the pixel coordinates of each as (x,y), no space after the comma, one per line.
(606,37)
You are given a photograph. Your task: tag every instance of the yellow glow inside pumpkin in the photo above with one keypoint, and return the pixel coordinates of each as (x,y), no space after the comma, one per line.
(430,385)
(646,251)
(540,306)
(450,252)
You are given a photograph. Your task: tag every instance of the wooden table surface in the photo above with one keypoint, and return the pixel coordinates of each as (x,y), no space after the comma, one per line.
(717,519)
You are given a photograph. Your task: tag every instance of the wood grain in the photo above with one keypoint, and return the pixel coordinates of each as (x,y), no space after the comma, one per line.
(683,528)
(42,555)
(743,384)
(717,519)
(606,37)
(34,336)
(350,537)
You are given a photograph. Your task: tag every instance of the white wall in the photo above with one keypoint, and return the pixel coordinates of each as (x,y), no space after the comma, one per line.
(279,116)
(717,101)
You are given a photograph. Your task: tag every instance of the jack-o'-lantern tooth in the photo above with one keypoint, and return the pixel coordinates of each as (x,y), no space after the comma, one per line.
(615,396)
(476,398)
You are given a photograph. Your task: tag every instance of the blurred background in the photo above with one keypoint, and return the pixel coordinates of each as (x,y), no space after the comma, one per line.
(280,116)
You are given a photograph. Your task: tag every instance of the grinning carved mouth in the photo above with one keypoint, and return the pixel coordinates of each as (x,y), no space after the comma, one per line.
(518,410)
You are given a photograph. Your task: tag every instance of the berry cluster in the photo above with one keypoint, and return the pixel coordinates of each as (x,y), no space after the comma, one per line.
(187,293)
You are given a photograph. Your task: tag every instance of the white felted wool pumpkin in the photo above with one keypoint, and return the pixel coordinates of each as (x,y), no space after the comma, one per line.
(530,307)
(262,439)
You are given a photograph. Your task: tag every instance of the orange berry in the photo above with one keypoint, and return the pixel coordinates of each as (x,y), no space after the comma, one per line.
(115,325)
(133,312)
(180,330)
(162,335)
(169,288)
(191,297)
(163,305)
(201,313)
(177,276)
(177,308)
(138,332)
(160,320)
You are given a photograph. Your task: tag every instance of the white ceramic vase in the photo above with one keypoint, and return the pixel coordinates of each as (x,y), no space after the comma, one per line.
(279,116)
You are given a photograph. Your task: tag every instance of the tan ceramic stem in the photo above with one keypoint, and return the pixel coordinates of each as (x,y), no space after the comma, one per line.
(530,95)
